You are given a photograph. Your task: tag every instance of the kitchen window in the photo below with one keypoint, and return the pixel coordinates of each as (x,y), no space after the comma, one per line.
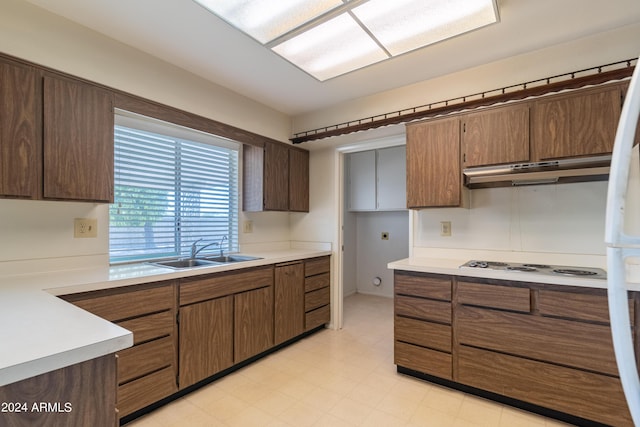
(173,186)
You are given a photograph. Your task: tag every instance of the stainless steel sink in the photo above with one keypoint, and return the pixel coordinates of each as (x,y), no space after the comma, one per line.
(226,259)
(185,263)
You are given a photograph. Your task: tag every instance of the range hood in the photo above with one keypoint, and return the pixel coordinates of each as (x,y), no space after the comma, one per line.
(547,172)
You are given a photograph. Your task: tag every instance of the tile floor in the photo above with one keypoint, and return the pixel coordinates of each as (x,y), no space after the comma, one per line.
(334,379)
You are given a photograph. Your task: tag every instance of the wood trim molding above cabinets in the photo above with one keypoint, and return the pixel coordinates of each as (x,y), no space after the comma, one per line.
(567,81)
(145,107)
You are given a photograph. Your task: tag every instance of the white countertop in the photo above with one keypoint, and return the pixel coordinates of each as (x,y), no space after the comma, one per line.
(450,266)
(42,333)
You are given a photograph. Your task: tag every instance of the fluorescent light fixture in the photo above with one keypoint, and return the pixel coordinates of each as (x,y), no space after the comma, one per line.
(405,25)
(328,38)
(324,52)
(265,20)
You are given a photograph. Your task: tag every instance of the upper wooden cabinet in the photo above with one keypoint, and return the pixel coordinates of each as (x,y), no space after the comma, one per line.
(434,177)
(56,137)
(496,136)
(20,144)
(298,180)
(288,301)
(78,141)
(275,178)
(576,124)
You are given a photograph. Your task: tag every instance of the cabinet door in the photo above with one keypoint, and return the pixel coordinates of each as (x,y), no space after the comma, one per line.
(78,141)
(276,177)
(253,323)
(20,147)
(362,181)
(392,181)
(433,164)
(206,339)
(576,124)
(497,136)
(298,180)
(288,301)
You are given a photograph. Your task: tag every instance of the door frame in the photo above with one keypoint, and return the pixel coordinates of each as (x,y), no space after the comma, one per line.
(340,164)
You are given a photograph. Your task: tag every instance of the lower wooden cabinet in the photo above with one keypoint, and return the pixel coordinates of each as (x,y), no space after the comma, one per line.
(317,297)
(206,339)
(545,345)
(146,391)
(253,323)
(422,323)
(188,330)
(289,308)
(225,318)
(585,394)
(78,395)
(147,372)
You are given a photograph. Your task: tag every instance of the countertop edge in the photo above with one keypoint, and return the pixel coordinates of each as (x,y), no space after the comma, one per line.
(451,267)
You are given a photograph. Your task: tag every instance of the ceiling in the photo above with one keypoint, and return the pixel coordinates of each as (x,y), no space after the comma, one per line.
(183,33)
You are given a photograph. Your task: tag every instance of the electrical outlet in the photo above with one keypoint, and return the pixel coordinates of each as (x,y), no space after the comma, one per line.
(85,227)
(384,235)
(445,228)
(247,226)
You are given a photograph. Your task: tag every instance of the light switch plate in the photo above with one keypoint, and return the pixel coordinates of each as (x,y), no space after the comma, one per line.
(85,227)
(247,226)
(445,228)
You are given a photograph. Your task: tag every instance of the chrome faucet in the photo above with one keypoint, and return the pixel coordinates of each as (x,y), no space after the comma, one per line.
(220,244)
(195,250)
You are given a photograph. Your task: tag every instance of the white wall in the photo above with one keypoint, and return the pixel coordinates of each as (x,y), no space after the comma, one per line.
(559,218)
(373,254)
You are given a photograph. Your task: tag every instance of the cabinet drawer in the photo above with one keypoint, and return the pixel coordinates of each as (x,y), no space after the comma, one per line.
(504,297)
(122,304)
(222,284)
(317,266)
(145,391)
(437,311)
(422,286)
(423,360)
(576,306)
(316,282)
(585,394)
(317,317)
(581,345)
(141,359)
(146,328)
(315,299)
(425,334)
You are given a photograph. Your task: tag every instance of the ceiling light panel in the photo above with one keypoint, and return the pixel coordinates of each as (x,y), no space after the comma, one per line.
(266,20)
(332,48)
(404,25)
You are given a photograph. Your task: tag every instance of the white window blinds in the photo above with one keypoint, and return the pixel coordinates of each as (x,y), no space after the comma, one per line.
(173,186)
